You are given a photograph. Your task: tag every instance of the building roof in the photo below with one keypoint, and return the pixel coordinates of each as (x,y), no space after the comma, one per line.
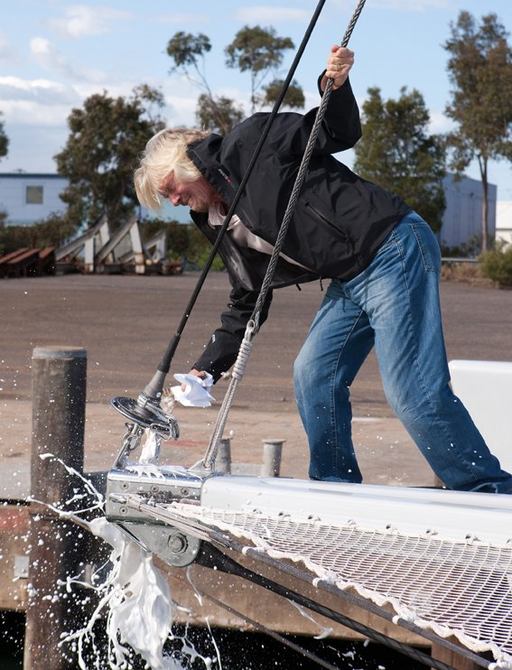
(31,175)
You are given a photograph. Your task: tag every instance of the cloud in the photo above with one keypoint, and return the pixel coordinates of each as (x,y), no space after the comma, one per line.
(312,99)
(6,51)
(83,20)
(271,14)
(181,100)
(50,58)
(29,113)
(46,102)
(42,91)
(182,109)
(440,123)
(113,89)
(36,101)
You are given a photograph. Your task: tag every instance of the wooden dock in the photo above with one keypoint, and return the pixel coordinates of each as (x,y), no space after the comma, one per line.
(39,549)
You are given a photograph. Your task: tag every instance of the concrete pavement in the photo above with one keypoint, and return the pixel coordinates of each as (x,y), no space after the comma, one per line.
(125,322)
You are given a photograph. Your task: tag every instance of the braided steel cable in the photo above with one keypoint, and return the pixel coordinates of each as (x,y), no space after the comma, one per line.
(301,176)
(155,385)
(253,325)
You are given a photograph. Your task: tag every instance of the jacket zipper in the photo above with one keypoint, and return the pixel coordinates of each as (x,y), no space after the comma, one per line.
(324,219)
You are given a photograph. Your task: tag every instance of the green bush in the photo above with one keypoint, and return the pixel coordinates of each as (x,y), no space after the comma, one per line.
(50,232)
(199,250)
(178,235)
(469,249)
(497,265)
(184,241)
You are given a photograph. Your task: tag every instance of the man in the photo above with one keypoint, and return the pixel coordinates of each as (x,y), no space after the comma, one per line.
(382,258)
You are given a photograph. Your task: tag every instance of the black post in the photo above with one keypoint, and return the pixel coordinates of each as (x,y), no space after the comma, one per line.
(58,418)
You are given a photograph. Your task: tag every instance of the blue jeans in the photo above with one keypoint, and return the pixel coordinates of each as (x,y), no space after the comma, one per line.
(394,305)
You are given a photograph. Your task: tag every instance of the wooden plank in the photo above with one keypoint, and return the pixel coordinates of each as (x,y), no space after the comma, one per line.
(451,658)
(14,526)
(4,260)
(254,601)
(26,255)
(24,264)
(46,261)
(268,608)
(47,251)
(7,257)
(259,604)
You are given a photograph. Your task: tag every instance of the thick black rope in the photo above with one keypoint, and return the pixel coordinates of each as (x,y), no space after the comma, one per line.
(253,324)
(219,560)
(299,180)
(165,363)
(213,555)
(261,628)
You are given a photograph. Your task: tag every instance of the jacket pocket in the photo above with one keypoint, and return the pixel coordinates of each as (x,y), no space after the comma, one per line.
(320,216)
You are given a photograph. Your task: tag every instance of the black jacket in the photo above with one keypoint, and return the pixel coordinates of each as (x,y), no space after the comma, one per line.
(338,225)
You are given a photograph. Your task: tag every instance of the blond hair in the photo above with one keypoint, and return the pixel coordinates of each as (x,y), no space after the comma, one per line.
(165,152)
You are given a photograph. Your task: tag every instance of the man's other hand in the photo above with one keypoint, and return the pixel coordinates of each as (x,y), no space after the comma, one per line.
(197,373)
(339,64)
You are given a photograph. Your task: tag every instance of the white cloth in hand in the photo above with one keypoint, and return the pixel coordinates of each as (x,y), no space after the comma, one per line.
(195,393)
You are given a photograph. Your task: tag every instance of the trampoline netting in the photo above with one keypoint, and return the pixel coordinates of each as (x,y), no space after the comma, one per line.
(460,589)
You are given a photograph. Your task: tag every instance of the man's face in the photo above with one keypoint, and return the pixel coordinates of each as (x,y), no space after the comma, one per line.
(198,195)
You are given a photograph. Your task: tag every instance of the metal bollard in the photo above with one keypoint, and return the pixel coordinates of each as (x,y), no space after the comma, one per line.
(223,461)
(58,418)
(272,452)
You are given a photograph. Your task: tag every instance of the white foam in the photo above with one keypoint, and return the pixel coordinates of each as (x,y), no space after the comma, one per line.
(150,448)
(140,605)
(135,597)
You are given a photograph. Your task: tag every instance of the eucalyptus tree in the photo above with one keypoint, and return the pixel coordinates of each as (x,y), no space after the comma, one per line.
(4,145)
(258,51)
(480,71)
(4,140)
(107,135)
(187,51)
(397,152)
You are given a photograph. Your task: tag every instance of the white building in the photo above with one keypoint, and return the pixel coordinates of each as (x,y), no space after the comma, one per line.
(462,219)
(504,221)
(28,197)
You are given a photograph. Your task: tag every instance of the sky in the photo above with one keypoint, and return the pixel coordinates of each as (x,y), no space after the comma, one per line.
(53,54)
